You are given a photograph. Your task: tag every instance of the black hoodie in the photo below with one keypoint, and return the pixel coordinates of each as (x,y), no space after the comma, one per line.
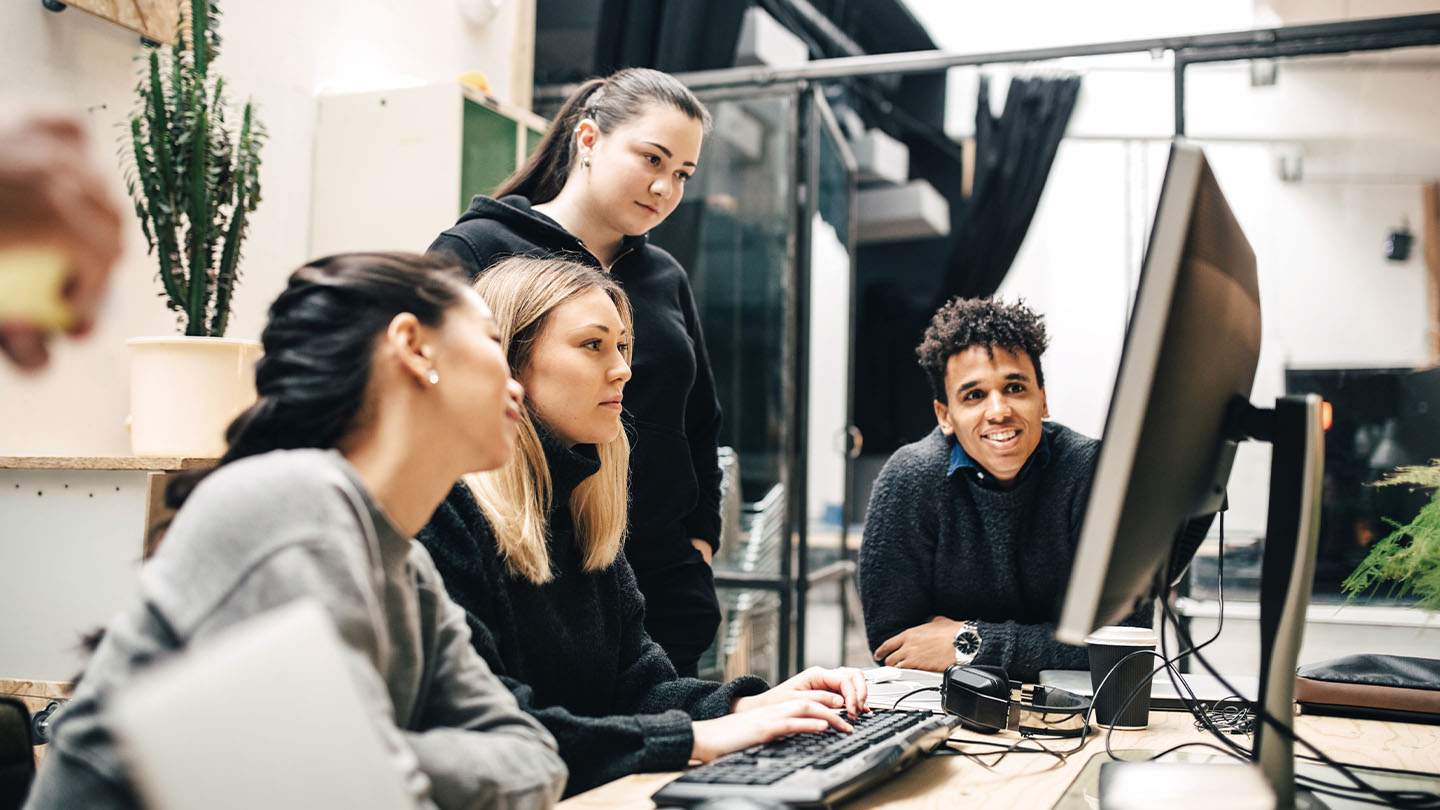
(627,712)
(670,403)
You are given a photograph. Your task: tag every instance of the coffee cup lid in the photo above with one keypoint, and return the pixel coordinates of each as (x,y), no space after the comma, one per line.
(1123,636)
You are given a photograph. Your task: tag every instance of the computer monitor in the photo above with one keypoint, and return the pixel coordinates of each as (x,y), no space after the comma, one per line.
(1190,352)
(1180,406)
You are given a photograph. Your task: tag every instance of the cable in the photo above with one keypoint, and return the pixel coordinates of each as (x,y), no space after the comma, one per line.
(1407,799)
(948,749)
(1182,688)
(1414,800)
(1205,719)
(912,693)
(1222,722)
(1237,719)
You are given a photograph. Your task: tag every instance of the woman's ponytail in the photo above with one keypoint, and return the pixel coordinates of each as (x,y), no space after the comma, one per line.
(544,173)
(318,343)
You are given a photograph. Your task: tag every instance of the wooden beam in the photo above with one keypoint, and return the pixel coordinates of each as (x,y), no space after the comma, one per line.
(522,55)
(1430,232)
(107,463)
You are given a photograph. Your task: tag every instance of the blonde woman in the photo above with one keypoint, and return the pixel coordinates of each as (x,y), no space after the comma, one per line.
(532,552)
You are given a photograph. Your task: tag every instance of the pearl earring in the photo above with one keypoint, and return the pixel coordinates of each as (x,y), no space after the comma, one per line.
(433,377)
(585,162)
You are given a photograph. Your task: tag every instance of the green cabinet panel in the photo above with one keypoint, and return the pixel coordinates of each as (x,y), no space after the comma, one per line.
(490,148)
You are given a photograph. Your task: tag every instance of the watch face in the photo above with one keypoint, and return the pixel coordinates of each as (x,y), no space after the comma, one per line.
(967,642)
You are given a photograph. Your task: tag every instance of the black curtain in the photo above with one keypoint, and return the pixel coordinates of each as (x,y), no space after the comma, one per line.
(670,35)
(1013,156)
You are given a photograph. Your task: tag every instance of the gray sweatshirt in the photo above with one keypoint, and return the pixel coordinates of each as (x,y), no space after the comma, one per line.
(262,532)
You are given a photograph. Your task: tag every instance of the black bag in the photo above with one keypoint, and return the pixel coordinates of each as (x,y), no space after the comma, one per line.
(1372,686)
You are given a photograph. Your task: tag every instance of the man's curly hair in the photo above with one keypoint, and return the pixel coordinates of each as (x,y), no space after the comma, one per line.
(966,322)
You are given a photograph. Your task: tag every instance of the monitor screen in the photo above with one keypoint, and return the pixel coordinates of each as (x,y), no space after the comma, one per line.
(1383,418)
(1190,353)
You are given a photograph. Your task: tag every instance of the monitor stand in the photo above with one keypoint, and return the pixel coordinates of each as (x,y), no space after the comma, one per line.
(1295,431)
(1297,438)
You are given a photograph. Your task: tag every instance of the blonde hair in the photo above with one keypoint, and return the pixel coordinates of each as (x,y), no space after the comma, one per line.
(515,499)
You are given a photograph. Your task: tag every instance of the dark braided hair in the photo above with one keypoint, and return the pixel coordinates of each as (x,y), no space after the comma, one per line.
(966,322)
(609,102)
(318,342)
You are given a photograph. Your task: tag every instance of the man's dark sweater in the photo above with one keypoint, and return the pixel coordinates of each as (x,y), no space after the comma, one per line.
(574,651)
(940,544)
(670,402)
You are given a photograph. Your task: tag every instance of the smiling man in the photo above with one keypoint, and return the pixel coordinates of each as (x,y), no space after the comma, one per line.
(971,531)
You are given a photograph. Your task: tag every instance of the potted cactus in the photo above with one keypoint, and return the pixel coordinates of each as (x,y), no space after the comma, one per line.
(194,179)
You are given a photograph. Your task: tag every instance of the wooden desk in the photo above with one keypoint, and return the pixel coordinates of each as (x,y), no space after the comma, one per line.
(1037,781)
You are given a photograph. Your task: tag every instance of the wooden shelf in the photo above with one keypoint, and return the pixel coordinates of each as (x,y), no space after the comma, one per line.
(118,463)
(156,19)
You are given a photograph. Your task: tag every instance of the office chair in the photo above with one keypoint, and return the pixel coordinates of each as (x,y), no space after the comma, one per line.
(17,756)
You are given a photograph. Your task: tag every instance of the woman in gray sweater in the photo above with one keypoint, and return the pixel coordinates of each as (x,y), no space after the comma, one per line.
(382,382)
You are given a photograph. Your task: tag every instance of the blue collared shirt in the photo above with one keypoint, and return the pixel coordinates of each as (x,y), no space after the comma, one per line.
(959,459)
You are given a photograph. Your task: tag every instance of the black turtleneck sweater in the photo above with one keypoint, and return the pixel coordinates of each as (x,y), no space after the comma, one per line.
(671,408)
(574,650)
(939,542)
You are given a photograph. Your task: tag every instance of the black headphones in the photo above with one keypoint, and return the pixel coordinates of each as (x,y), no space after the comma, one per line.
(986,700)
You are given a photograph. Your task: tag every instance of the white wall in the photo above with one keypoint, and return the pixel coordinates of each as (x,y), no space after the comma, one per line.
(69,542)
(278,52)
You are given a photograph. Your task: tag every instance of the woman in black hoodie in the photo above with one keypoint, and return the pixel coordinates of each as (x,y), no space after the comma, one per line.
(612,166)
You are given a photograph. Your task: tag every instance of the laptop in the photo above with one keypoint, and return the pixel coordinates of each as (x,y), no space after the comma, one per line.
(1163,696)
(265,715)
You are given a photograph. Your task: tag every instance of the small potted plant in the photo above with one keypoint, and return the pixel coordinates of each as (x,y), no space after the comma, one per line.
(1408,559)
(194,179)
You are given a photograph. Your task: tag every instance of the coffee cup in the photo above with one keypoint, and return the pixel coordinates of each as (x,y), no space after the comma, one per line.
(1119,662)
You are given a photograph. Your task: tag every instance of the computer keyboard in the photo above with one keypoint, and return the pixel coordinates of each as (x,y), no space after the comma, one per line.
(816,769)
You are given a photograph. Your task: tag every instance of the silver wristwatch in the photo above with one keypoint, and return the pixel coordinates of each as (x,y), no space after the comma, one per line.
(967,642)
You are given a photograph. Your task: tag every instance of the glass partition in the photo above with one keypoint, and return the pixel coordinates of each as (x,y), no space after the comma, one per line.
(733,233)
(771,265)
(831,263)
(829,431)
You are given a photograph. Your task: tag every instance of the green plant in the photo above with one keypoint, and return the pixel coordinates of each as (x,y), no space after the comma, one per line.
(194,183)
(1409,557)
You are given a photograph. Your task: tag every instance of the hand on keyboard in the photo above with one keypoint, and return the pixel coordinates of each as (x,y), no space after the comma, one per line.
(842,688)
(770,721)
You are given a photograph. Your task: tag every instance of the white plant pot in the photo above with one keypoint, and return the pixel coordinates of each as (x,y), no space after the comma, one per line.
(184,392)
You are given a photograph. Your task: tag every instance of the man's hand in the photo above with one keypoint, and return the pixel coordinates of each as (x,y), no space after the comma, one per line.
(929,646)
(52,197)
